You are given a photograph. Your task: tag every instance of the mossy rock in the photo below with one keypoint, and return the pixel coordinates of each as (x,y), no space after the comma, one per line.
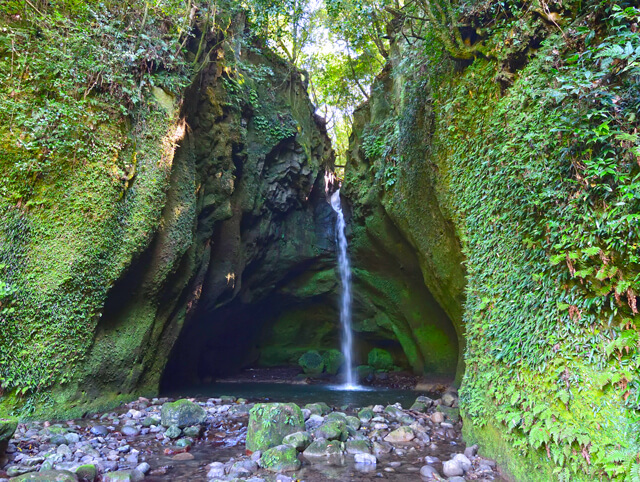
(366,414)
(299,440)
(48,476)
(182,413)
(7,429)
(332,430)
(319,408)
(269,423)
(333,361)
(380,359)
(87,472)
(354,447)
(324,448)
(311,362)
(282,458)
(452,414)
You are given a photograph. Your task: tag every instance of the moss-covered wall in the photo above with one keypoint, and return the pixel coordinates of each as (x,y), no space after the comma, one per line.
(531,154)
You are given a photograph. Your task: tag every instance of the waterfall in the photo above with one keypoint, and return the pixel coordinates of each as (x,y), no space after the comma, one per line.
(345,299)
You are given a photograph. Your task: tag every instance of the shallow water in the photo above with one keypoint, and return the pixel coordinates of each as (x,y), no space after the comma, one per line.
(334,395)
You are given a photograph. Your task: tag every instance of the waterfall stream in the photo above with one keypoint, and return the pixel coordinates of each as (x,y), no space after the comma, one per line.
(345,299)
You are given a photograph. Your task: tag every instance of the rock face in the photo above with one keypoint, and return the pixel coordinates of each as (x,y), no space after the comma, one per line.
(221,237)
(477,170)
(269,423)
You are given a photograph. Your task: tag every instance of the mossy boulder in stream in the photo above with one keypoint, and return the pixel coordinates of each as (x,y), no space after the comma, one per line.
(282,458)
(182,413)
(269,423)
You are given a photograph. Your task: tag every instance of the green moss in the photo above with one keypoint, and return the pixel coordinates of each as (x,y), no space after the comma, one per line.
(269,423)
(380,359)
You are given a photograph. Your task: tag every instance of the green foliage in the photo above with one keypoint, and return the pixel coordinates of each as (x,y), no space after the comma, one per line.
(545,182)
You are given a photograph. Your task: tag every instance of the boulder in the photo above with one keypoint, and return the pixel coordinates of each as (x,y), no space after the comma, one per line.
(429,473)
(355,447)
(450,398)
(366,414)
(452,468)
(380,359)
(182,413)
(366,459)
(282,458)
(452,414)
(400,435)
(332,430)
(333,361)
(311,362)
(269,423)
(324,448)
(299,440)
(49,476)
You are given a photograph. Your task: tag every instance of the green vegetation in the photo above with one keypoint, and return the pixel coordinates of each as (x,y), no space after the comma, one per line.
(532,153)
(87,152)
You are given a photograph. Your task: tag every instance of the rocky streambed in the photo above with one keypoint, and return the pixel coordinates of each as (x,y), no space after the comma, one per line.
(245,440)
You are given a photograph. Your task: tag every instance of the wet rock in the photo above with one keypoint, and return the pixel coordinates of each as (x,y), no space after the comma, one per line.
(173,432)
(400,435)
(452,468)
(282,458)
(49,476)
(269,423)
(182,413)
(366,459)
(324,448)
(299,440)
(355,447)
(429,472)
(431,460)
(457,479)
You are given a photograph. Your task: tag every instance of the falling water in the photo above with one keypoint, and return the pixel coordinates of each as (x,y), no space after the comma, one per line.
(345,302)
